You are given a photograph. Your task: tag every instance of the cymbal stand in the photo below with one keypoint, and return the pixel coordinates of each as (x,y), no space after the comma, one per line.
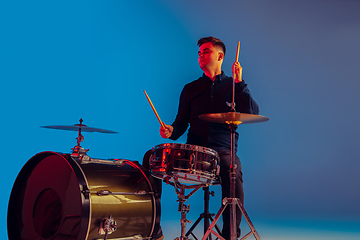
(180,191)
(206,215)
(232,201)
(78,151)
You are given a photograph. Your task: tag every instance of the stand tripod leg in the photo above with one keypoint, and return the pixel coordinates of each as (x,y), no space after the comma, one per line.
(247,218)
(194,226)
(209,230)
(234,202)
(180,191)
(206,215)
(216,227)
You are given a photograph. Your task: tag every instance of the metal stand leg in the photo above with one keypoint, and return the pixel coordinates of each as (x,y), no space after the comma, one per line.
(247,218)
(232,201)
(206,215)
(184,210)
(180,191)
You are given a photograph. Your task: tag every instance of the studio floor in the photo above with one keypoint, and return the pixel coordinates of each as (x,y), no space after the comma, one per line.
(281,231)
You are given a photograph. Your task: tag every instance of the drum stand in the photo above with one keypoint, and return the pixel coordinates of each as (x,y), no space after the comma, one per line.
(206,215)
(232,202)
(180,191)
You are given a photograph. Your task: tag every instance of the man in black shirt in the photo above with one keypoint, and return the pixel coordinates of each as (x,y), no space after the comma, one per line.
(212,93)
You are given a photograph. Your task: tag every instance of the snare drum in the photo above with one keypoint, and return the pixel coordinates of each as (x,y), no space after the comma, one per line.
(186,163)
(57,197)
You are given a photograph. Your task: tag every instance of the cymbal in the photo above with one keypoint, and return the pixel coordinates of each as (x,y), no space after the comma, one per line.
(233,118)
(82,127)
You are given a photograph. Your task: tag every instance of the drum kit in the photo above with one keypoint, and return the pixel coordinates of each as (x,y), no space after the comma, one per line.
(74,196)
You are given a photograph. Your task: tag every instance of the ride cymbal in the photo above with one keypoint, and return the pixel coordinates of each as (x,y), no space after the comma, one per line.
(233,118)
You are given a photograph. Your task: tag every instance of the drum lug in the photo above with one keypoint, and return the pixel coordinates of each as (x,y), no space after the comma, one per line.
(192,159)
(107,226)
(120,162)
(103,192)
(86,192)
(166,158)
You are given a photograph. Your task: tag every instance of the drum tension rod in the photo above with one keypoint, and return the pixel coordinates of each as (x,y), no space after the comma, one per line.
(108,192)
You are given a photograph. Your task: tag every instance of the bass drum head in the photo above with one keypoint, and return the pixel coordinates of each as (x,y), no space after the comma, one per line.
(54,197)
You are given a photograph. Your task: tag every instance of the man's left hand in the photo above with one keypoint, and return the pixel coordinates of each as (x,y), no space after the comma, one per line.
(237,69)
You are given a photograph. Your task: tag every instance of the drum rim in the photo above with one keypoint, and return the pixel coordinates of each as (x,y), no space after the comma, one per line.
(210,178)
(188,147)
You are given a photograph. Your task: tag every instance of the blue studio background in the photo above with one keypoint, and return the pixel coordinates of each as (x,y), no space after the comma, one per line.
(65,60)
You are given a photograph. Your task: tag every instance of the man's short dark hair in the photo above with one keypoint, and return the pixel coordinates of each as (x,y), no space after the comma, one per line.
(215,41)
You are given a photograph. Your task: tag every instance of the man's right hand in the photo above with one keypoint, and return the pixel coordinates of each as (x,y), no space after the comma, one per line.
(167,131)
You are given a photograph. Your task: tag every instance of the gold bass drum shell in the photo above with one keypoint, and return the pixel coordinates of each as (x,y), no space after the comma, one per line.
(56,197)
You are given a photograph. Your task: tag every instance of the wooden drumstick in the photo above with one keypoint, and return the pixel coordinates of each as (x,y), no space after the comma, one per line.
(237,52)
(237,58)
(153,108)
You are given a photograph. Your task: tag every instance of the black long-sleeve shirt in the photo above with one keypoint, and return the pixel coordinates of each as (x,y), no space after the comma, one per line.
(205,96)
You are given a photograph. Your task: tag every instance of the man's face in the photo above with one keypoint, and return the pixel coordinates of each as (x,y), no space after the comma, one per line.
(208,56)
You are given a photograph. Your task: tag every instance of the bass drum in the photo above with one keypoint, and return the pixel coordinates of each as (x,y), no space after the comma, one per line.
(56,197)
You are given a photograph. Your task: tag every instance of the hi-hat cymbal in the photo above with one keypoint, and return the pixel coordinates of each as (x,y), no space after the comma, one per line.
(82,127)
(233,118)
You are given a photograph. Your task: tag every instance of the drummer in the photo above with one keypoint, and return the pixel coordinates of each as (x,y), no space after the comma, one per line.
(212,93)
